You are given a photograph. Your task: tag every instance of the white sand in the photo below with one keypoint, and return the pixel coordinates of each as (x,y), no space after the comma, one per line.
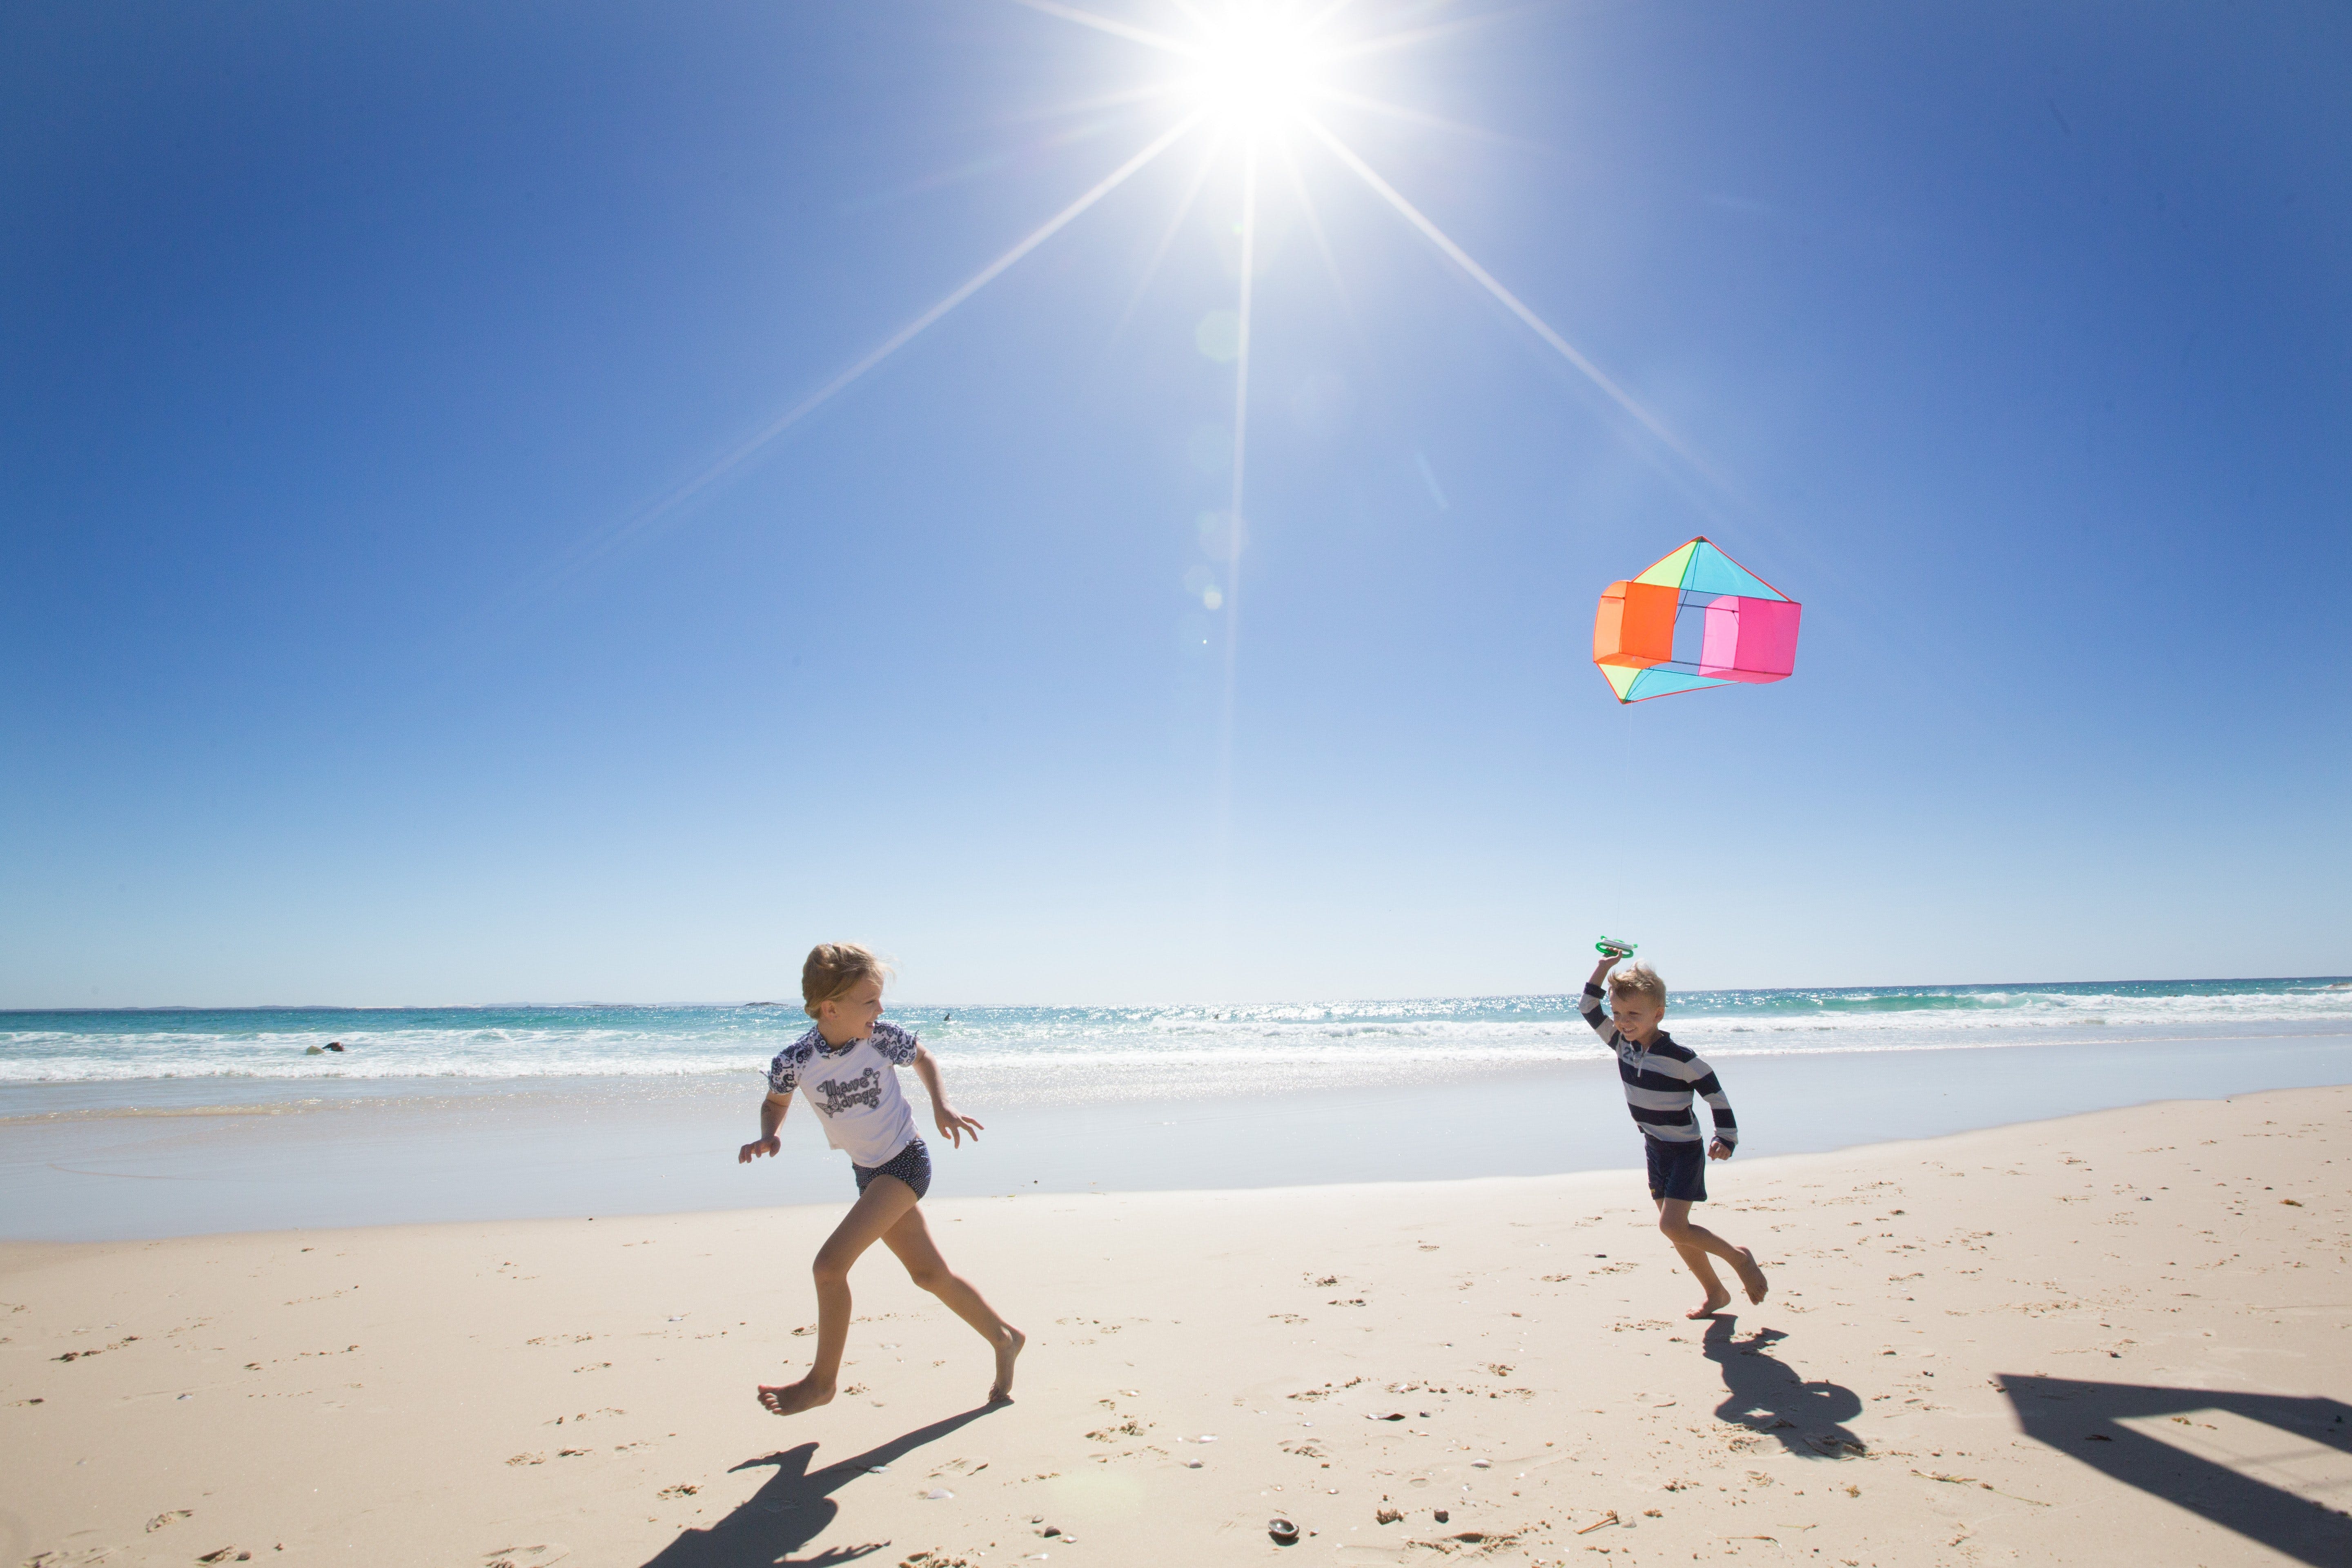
(1953,1323)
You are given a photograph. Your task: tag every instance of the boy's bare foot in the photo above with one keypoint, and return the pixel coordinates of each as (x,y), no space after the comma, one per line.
(1716,1300)
(792,1398)
(1008,1351)
(1751,1277)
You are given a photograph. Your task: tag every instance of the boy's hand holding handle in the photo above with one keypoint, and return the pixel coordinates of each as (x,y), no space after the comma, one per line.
(1718,1150)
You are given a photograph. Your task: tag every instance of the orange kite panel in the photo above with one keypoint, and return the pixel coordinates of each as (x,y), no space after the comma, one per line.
(1636,625)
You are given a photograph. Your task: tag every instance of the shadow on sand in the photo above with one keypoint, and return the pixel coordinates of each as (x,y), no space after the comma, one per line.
(2084,1421)
(794,1505)
(1768,1396)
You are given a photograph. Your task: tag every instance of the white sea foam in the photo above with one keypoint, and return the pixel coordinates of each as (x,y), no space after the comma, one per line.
(1198,1050)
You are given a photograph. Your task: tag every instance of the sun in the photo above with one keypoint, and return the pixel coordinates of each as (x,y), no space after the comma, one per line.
(1259,66)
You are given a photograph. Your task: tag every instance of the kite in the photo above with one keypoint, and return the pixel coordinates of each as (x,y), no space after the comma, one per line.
(1696,618)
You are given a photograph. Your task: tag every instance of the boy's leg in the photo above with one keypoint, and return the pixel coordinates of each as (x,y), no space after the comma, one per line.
(881,1206)
(910,1238)
(1674,1218)
(1695,1259)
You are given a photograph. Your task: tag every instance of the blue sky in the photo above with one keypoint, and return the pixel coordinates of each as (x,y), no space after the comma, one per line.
(344,353)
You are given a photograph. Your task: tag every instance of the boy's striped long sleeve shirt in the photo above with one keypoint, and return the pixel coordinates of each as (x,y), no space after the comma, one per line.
(1660,1079)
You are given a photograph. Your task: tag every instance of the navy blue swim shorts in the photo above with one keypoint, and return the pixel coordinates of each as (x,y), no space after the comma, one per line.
(1677,1170)
(911,1165)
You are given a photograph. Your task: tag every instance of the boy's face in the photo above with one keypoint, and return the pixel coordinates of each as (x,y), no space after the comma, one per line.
(1637,1016)
(851,1015)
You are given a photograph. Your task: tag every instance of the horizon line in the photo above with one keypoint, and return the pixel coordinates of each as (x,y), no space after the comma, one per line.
(1297,1001)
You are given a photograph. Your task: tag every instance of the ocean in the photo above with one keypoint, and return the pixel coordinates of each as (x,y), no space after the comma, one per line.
(172,1121)
(1075,1053)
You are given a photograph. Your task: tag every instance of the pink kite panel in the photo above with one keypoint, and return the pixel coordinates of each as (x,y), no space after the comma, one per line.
(1751,640)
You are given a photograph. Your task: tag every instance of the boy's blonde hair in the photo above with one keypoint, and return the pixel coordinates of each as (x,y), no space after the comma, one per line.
(833,968)
(1638,980)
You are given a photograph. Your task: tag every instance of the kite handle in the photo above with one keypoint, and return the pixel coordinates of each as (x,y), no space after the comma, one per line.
(1612,947)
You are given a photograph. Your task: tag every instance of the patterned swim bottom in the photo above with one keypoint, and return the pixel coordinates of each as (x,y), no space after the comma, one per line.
(911,1165)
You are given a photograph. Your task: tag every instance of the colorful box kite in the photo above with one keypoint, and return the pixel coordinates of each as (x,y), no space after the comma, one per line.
(1696,618)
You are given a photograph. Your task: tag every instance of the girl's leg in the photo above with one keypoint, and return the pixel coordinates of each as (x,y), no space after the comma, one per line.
(910,1238)
(879,1208)
(1674,1218)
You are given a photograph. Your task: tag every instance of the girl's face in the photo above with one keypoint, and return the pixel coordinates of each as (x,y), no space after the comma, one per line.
(851,1015)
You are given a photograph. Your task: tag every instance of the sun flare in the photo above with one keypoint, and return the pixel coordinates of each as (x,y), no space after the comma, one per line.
(1242,69)
(1245,72)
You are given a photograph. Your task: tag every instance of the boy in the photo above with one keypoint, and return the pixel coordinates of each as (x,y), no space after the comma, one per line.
(848,1064)
(1660,1078)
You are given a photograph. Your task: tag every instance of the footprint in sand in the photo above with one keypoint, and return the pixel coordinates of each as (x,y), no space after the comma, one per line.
(524,1556)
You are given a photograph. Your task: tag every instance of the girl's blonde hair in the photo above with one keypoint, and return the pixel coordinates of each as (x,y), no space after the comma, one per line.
(1638,980)
(833,968)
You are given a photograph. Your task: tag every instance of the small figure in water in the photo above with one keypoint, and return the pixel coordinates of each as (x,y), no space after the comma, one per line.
(848,1065)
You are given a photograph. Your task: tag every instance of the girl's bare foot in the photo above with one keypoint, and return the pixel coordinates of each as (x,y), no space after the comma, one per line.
(792,1398)
(1008,1350)
(1751,1277)
(1716,1300)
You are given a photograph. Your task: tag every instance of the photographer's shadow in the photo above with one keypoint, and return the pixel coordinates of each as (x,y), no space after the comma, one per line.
(795,1505)
(1768,1396)
(2267,1467)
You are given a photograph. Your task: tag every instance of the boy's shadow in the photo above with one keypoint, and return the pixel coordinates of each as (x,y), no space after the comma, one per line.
(1768,1396)
(794,1505)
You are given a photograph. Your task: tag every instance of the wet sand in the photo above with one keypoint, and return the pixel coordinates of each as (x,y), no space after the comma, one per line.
(2122,1336)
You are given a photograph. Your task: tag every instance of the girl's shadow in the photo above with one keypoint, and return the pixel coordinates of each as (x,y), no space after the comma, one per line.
(795,1505)
(1768,1396)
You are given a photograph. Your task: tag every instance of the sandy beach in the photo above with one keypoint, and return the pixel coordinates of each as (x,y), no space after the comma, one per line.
(2117,1337)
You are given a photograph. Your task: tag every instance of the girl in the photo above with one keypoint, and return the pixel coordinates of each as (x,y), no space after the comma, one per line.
(848,1065)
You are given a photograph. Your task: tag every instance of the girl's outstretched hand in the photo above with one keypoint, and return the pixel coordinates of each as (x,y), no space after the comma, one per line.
(764,1146)
(952,1126)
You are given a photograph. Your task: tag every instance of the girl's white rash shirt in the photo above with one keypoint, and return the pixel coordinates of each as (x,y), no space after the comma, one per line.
(853,1089)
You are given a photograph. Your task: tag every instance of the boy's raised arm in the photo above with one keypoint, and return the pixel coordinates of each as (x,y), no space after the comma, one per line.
(1593,996)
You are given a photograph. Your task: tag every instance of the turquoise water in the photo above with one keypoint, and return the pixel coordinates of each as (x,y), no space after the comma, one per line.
(1057,1054)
